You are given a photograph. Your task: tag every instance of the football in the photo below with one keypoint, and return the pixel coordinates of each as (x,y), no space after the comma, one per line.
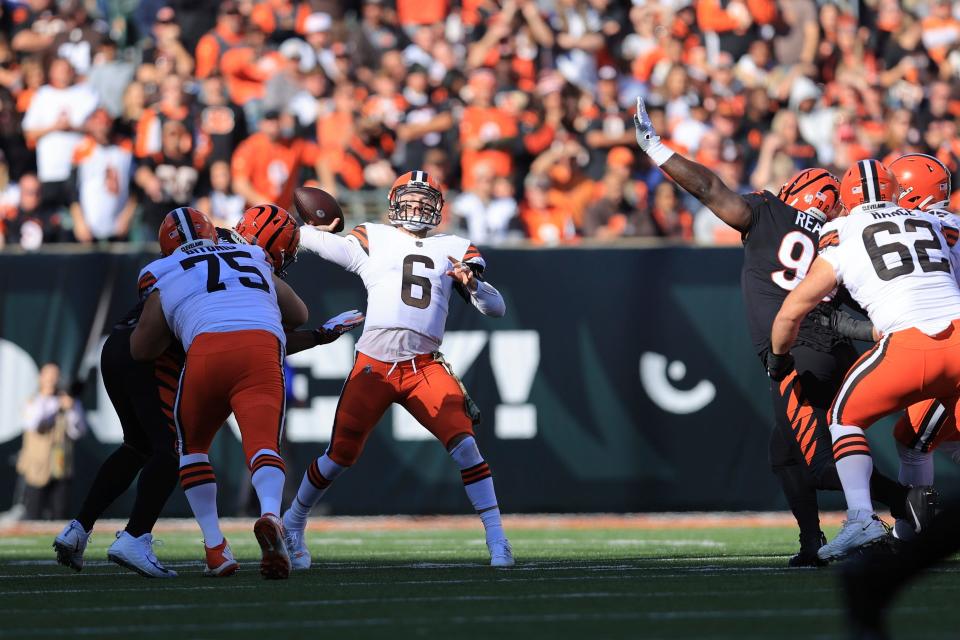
(316,206)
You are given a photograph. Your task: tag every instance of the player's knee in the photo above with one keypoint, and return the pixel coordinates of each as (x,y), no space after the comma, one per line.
(345,453)
(465,451)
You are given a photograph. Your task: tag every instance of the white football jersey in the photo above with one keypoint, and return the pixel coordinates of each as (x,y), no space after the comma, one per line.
(215,288)
(897,265)
(408,291)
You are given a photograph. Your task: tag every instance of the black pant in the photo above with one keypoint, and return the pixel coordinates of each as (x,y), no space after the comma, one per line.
(802,431)
(134,390)
(142,394)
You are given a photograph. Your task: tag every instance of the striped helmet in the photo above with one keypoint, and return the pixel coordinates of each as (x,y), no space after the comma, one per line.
(185,226)
(813,191)
(275,231)
(924,180)
(415,182)
(868,181)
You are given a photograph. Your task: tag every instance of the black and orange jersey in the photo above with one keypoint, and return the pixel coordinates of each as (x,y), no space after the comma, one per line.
(779,248)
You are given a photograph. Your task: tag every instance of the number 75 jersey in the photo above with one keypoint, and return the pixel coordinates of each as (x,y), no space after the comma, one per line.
(405,277)
(214,288)
(897,264)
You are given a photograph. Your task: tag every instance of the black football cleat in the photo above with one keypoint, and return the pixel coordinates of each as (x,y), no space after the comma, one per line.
(921,506)
(807,556)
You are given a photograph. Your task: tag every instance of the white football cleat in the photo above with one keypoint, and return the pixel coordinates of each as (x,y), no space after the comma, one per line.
(296,549)
(862,529)
(137,554)
(501,554)
(70,545)
(274,562)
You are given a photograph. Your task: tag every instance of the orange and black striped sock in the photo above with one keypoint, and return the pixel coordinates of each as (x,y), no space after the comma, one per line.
(319,476)
(476,473)
(850,444)
(200,486)
(267,477)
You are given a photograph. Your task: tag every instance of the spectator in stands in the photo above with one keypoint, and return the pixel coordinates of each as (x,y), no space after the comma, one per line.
(221,125)
(267,165)
(545,223)
(485,217)
(227,34)
(103,170)
(167,178)
(246,69)
(168,52)
(52,421)
(172,105)
(53,124)
(33,26)
(615,212)
(485,130)
(668,218)
(109,77)
(425,122)
(224,206)
(611,126)
(280,19)
(372,35)
(78,37)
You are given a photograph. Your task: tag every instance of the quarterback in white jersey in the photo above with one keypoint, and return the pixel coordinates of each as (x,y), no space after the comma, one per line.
(896,265)
(225,305)
(409,277)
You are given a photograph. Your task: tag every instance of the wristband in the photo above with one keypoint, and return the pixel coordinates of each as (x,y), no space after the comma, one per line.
(659,153)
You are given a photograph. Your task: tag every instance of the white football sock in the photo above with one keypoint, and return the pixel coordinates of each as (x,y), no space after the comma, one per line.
(267,476)
(200,487)
(478,483)
(316,480)
(854,466)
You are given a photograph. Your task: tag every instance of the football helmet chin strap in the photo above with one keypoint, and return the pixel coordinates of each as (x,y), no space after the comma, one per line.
(420,220)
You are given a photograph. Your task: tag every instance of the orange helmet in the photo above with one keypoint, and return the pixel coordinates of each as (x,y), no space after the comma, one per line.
(275,231)
(813,191)
(182,226)
(415,182)
(924,181)
(868,181)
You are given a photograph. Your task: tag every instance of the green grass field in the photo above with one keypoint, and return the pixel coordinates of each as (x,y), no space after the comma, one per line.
(428,580)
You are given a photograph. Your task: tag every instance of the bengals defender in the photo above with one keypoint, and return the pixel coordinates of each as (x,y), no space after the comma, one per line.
(409,276)
(780,235)
(228,309)
(896,265)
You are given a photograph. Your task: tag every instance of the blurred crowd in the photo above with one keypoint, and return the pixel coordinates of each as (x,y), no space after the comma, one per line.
(114,111)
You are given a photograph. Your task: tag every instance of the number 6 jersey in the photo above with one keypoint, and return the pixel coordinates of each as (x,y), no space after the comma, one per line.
(897,265)
(213,288)
(408,291)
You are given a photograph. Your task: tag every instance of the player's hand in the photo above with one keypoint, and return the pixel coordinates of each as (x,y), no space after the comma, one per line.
(343,322)
(337,326)
(646,135)
(329,227)
(778,366)
(463,274)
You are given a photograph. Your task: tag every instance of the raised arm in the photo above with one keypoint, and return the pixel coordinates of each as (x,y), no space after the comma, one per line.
(696,179)
(350,252)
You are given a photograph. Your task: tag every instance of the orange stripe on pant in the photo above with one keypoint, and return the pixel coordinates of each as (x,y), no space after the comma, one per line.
(235,371)
(424,388)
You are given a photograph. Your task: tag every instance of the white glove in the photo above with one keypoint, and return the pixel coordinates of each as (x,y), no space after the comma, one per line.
(346,321)
(647,137)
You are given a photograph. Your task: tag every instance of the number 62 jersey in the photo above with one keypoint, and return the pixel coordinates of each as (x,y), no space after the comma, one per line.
(408,291)
(897,264)
(779,248)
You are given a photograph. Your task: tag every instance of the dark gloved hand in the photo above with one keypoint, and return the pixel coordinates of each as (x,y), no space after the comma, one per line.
(778,366)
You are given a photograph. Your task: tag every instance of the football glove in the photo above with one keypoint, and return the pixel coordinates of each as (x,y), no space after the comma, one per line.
(846,325)
(647,136)
(338,325)
(778,366)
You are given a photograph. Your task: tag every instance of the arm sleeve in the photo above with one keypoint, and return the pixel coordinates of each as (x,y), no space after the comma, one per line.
(348,252)
(488,300)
